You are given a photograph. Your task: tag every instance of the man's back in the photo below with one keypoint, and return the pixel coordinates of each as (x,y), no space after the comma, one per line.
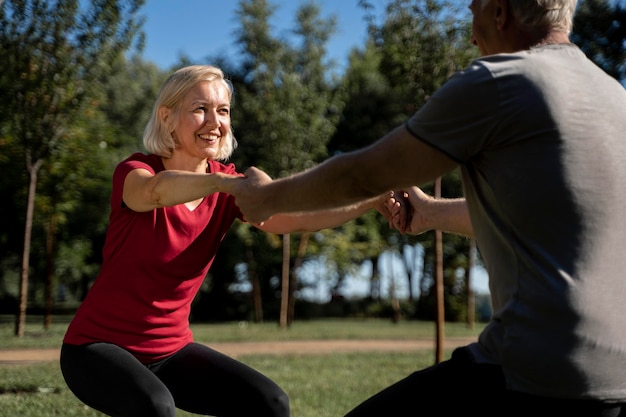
(543,157)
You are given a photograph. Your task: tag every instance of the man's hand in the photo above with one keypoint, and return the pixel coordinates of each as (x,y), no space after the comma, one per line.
(409,211)
(428,213)
(421,206)
(249,193)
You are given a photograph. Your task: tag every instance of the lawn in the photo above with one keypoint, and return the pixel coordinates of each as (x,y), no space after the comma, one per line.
(318,385)
(37,337)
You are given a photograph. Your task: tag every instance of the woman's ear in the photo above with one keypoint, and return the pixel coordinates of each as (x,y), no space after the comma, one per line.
(163,113)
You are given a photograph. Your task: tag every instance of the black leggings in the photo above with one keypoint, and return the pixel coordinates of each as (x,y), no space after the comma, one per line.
(461,387)
(197,379)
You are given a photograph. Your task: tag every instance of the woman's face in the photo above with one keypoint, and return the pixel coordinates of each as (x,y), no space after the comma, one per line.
(204,120)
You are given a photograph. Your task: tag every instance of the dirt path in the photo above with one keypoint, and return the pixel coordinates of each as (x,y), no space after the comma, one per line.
(300,347)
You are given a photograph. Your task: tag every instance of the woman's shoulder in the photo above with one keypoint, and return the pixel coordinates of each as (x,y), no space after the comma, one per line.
(140,160)
(229,168)
(149,158)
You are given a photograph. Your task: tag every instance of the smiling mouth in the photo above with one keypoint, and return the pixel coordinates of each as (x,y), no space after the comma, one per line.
(209,138)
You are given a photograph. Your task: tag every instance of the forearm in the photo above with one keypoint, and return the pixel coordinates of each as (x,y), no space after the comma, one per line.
(326,186)
(176,187)
(398,160)
(447,215)
(144,192)
(317,220)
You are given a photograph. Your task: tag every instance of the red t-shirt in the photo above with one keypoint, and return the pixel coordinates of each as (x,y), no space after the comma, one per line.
(153,265)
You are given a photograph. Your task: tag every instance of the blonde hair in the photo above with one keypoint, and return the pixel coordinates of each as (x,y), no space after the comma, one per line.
(543,14)
(157,136)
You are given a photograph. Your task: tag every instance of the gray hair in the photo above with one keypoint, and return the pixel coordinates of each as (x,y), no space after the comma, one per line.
(157,136)
(543,14)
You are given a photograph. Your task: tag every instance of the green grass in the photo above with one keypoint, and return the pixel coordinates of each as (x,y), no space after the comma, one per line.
(37,337)
(318,385)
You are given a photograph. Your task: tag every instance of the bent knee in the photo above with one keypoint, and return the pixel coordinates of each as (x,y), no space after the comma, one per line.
(153,406)
(279,405)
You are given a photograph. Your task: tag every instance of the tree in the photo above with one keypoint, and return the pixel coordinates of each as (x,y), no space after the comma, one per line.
(600,31)
(286,100)
(422,43)
(75,186)
(53,51)
(370,109)
(414,50)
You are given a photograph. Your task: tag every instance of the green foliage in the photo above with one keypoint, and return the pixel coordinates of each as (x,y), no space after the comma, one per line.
(128,96)
(416,48)
(285,113)
(348,247)
(600,31)
(72,98)
(53,52)
(371,109)
(422,42)
(285,110)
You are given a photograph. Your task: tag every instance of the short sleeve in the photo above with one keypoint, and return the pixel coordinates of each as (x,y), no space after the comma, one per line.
(457,119)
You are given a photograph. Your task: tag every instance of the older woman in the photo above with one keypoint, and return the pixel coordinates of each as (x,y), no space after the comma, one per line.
(129,350)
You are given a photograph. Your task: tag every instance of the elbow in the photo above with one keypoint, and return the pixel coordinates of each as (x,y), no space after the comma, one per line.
(155,199)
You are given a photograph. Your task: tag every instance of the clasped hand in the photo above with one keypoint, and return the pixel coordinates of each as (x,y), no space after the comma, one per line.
(407,209)
(249,192)
(403,208)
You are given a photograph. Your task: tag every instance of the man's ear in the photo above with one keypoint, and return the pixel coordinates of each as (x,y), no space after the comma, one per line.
(501,12)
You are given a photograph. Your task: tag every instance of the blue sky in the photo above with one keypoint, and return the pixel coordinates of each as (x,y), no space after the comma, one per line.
(201,28)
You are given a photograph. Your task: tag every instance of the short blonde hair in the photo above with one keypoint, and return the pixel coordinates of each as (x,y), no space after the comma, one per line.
(157,136)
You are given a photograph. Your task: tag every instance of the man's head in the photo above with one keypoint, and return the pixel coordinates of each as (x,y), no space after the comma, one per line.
(508,26)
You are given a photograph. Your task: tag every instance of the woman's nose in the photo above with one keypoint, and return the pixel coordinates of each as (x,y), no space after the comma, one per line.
(211,119)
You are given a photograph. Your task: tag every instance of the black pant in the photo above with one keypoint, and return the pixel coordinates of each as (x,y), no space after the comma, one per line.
(460,387)
(196,379)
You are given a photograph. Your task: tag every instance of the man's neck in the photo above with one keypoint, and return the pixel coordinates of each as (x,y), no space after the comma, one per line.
(551,38)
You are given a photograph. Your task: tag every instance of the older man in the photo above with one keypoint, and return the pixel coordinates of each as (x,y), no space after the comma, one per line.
(539,133)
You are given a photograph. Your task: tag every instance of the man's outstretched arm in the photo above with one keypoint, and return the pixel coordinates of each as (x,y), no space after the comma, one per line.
(397,161)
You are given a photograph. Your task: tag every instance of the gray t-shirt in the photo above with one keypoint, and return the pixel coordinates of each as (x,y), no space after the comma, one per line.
(541,139)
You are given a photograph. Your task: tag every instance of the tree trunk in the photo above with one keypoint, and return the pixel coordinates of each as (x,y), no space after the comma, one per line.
(256,286)
(293,282)
(395,303)
(284,293)
(470,292)
(409,266)
(47,321)
(20,321)
(375,280)
(439,284)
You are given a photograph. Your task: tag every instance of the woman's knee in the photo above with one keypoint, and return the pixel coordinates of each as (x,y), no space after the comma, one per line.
(155,404)
(277,405)
(110,380)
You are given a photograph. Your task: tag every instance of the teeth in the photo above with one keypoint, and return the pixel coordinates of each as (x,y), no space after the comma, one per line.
(208,137)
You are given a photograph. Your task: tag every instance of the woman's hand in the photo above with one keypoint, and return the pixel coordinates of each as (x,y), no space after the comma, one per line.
(249,193)
(395,207)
